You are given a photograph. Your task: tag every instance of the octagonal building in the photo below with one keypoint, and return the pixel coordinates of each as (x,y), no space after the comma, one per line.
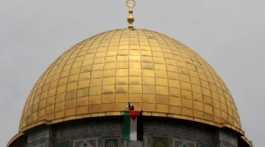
(80,100)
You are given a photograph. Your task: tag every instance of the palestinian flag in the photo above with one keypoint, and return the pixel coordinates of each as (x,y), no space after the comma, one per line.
(132,125)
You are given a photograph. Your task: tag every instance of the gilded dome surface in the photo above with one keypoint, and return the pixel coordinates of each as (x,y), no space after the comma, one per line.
(100,75)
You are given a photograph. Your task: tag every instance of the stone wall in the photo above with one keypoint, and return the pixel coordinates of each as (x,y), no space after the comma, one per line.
(227,139)
(106,132)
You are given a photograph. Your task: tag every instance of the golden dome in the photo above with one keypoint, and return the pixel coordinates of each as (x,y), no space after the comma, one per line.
(100,75)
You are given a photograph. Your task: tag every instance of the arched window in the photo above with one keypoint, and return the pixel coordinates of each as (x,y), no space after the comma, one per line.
(84,144)
(160,142)
(89,142)
(111,143)
(183,143)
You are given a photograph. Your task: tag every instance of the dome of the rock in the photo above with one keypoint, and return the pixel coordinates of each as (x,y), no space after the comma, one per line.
(100,75)
(79,100)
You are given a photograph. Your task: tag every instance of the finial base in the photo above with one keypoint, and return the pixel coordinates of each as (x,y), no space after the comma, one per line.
(131,27)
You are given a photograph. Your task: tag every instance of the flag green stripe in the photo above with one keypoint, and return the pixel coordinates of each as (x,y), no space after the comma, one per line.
(126,126)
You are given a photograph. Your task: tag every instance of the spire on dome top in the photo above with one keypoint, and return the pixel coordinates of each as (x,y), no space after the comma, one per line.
(131,5)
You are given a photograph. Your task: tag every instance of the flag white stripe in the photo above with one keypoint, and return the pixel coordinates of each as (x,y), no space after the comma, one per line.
(133,129)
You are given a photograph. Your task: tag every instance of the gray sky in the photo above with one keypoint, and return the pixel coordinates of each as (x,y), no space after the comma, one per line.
(229,34)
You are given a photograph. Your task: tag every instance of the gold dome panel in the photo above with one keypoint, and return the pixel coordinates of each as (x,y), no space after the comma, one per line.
(100,75)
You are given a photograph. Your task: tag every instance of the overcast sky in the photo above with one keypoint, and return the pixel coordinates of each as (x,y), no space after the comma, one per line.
(229,34)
